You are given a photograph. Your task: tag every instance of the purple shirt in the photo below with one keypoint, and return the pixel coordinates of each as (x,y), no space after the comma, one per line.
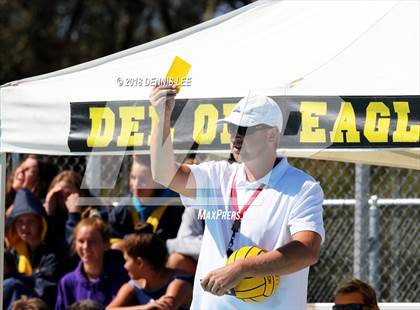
(75,286)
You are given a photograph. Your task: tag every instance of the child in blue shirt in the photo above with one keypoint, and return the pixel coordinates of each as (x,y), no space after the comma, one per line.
(152,284)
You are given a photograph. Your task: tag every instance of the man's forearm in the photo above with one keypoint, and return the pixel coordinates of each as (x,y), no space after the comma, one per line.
(163,164)
(164,168)
(290,258)
(301,252)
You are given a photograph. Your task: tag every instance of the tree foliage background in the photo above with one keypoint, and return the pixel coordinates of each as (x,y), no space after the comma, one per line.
(40,36)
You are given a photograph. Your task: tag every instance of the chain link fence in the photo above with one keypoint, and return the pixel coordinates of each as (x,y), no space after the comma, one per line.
(399,225)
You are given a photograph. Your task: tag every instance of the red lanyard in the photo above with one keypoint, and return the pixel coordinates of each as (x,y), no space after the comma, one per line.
(237,223)
(251,199)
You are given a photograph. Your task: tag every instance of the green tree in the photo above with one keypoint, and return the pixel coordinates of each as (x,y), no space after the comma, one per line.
(41,36)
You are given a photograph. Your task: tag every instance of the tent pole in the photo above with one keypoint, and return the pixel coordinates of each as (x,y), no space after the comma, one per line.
(361,223)
(2,216)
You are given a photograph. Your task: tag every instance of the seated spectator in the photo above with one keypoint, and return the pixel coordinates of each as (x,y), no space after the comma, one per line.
(34,174)
(100,272)
(148,202)
(152,284)
(36,254)
(355,295)
(185,248)
(61,202)
(15,285)
(26,303)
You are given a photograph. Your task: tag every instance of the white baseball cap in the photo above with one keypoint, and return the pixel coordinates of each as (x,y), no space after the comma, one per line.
(255,110)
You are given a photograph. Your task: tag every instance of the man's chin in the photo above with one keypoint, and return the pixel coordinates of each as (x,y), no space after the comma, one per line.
(236,149)
(236,153)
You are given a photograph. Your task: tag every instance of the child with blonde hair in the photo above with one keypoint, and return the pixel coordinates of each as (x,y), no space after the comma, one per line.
(100,272)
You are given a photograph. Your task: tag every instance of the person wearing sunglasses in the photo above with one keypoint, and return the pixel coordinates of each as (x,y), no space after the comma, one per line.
(265,201)
(355,295)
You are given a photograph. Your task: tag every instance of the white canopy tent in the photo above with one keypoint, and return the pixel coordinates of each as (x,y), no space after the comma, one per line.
(292,48)
(328,48)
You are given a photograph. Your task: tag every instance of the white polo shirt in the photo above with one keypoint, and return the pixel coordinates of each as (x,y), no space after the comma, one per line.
(290,202)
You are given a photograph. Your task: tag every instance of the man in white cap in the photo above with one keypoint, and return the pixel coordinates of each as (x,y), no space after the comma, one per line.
(277,207)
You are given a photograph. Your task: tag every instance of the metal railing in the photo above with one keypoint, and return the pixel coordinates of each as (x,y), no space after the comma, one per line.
(371,249)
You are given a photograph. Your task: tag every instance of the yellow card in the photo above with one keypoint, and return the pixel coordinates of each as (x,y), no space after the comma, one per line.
(178,72)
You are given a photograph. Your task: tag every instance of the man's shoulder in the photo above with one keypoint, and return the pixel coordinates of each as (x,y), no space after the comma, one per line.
(295,180)
(305,185)
(299,175)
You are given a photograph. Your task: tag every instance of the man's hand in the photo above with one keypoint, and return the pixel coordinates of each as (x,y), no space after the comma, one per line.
(299,253)
(221,280)
(162,97)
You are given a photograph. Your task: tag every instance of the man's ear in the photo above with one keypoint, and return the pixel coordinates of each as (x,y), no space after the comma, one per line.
(272,134)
